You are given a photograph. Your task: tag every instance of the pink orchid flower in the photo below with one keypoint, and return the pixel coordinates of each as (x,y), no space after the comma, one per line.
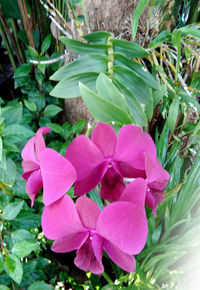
(107,159)
(44,167)
(120,229)
(157,178)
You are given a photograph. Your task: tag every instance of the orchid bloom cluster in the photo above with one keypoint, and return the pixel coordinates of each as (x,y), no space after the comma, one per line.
(128,174)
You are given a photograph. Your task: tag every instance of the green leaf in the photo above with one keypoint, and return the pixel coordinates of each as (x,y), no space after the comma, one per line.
(68,87)
(8,175)
(28,220)
(83,48)
(97,36)
(139,69)
(1,148)
(128,49)
(3,287)
(22,235)
(13,209)
(11,9)
(12,114)
(164,36)
(1,263)
(38,285)
(56,128)
(78,126)
(95,196)
(190,30)
(93,62)
(173,114)
(30,106)
(133,103)
(23,249)
(135,84)
(46,43)
(176,42)
(108,91)
(136,16)
(32,51)
(17,133)
(52,110)
(102,109)
(159,94)
(14,268)
(23,70)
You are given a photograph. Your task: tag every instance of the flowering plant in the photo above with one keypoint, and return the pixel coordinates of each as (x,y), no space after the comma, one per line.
(128,174)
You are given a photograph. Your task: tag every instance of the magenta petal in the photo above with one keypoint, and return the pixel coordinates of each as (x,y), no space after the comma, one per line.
(61,219)
(33,185)
(28,152)
(88,211)
(135,192)
(112,185)
(58,175)
(97,245)
(125,261)
(86,260)
(84,156)
(70,242)
(124,225)
(132,145)
(39,140)
(91,181)
(105,138)
(29,166)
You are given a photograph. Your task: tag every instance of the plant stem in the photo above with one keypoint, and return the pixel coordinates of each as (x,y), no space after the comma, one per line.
(107,278)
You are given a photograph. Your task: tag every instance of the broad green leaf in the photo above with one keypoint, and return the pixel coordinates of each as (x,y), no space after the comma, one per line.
(139,69)
(128,49)
(3,287)
(190,30)
(46,43)
(95,196)
(159,94)
(102,109)
(17,133)
(56,128)
(1,263)
(39,285)
(11,9)
(136,16)
(13,209)
(173,114)
(78,126)
(12,114)
(32,51)
(10,146)
(27,220)
(22,235)
(14,268)
(83,48)
(176,42)
(97,36)
(92,62)
(31,106)
(68,87)
(8,175)
(133,103)
(135,84)
(1,148)
(52,110)
(164,36)
(23,249)
(108,91)
(23,70)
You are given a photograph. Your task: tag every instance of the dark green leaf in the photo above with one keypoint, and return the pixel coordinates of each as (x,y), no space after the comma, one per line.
(23,249)
(30,106)
(97,37)
(11,8)
(102,109)
(136,16)
(128,49)
(23,70)
(52,110)
(164,36)
(46,43)
(32,51)
(13,209)
(56,128)
(78,126)
(108,91)
(22,235)
(14,268)
(1,263)
(8,175)
(133,103)
(68,87)
(12,114)
(27,220)
(176,41)
(139,69)
(83,48)
(88,63)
